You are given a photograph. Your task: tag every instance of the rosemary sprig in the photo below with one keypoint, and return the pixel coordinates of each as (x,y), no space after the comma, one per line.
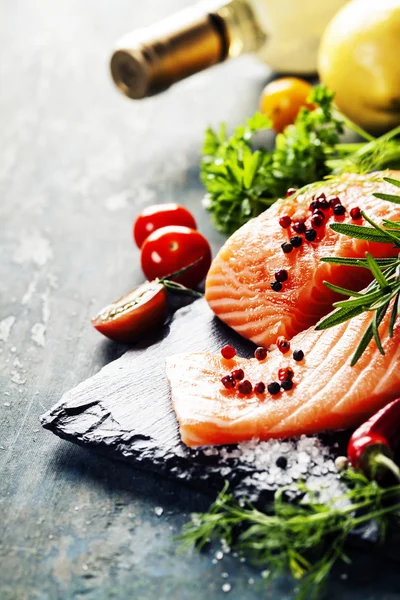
(385,287)
(307,538)
(241,180)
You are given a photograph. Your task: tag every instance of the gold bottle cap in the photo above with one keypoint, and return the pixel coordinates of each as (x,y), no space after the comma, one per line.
(148,62)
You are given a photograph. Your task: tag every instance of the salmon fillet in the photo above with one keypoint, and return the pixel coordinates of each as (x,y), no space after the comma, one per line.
(327,394)
(238,285)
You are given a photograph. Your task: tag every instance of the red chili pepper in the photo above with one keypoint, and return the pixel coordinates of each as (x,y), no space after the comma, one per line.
(371,447)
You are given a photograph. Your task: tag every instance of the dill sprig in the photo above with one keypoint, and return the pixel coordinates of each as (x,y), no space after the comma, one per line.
(306,537)
(241,181)
(383,293)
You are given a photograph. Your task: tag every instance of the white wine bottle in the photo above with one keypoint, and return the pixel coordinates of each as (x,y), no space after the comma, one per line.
(285,34)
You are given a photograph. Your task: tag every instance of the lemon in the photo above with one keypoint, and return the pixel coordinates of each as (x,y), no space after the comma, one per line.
(359,59)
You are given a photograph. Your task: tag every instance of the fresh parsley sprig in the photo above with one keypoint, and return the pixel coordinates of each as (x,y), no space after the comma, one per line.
(242,181)
(384,291)
(307,538)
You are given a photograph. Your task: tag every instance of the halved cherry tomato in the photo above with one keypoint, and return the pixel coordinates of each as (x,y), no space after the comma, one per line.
(133,316)
(169,249)
(282,99)
(160,215)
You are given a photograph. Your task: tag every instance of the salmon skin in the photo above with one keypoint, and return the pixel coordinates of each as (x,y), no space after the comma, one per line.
(327,393)
(238,285)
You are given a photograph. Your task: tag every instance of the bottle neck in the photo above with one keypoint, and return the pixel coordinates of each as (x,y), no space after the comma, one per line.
(150,60)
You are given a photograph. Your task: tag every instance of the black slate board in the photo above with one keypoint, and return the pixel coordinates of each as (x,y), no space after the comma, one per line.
(125,411)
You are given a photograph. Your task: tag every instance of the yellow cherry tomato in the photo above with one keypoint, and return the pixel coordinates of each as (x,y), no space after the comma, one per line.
(282,99)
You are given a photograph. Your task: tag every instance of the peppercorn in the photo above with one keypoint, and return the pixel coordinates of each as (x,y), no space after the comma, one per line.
(276,286)
(285,221)
(245,387)
(339,210)
(281,462)
(286,247)
(315,205)
(298,355)
(296,241)
(274,388)
(355,213)
(281,275)
(317,221)
(285,373)
(287,385)
(228,382)
(228,352)
(260,353)
(310,235)
(259,388)
(334,201)
(324,205)
(237,374)
(299,227)
(290,192)
(282,344)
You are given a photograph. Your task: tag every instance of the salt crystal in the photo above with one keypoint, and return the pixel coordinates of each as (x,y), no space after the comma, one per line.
(219,555)
(225,575)
(7,404)
(214,561)
(226,587)
(6,393)
(13,350)
(159,511)
(85,567)
(250,581)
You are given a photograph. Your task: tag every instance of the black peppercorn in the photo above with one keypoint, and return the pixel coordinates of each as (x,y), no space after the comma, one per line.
(274,388)
(339,210)
(296,241)
(281,462)
(298,354)
(276,286)
(286,247)
(287,385)
(310,235)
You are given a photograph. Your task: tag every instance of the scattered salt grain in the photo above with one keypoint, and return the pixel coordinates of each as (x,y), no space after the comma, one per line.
(6,404)
(225,575)
(6,393)
(85,567)
(250,581)
(214,561)
(219,555)
(159,511)
(13,350)
(226,587)
(5,328)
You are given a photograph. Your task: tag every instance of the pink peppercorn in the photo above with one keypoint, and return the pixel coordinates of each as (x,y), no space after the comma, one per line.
(290,192)
(260,353)
(285,221)
(228,382)
(228,352)
(259,388)
(355,213)
(238,374)
(245,387)
(316,221)
(299,226)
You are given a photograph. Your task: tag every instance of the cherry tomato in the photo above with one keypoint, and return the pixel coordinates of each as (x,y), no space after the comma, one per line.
(282,99)
(172,248)
(136,314)
(160,215)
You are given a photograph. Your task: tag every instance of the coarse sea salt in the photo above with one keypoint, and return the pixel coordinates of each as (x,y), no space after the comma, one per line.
(307,460)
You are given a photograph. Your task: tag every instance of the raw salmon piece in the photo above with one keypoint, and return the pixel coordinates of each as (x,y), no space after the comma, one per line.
(327,394)
(238,286)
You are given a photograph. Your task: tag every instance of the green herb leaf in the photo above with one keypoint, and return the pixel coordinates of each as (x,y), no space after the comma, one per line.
(369,234)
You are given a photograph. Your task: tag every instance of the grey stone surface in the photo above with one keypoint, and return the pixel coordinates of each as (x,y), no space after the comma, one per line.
(77,161)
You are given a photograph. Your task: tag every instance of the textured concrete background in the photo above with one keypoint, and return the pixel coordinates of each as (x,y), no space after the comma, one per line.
(77,161)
